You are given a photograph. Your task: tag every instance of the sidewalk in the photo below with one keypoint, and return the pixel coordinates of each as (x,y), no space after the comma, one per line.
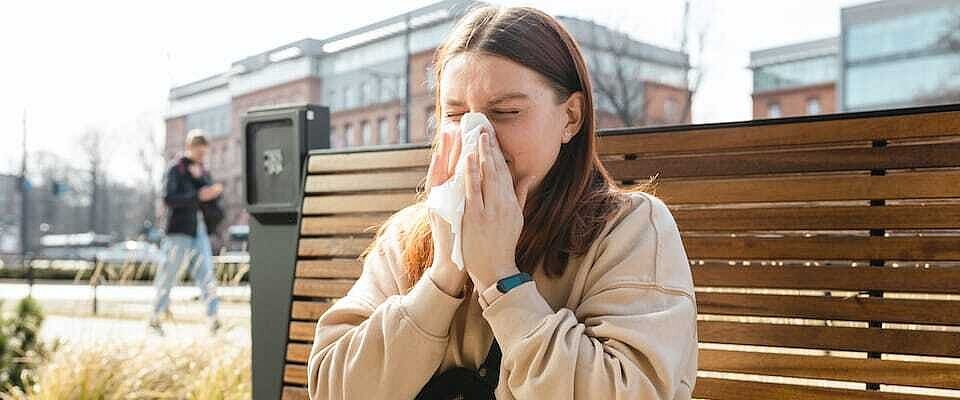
(128,301)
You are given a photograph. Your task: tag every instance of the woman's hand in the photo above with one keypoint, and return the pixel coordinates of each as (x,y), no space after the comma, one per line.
(443,271)
(493,216)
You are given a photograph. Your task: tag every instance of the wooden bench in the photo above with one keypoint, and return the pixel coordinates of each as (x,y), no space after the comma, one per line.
(824,249)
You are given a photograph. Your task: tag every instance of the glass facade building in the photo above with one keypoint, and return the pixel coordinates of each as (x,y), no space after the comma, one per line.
(794,66)
(900,53)
(791,74)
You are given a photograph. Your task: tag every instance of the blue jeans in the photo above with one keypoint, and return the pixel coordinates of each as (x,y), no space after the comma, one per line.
(193,254)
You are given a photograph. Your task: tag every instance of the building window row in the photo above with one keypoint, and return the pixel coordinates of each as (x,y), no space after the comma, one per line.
(368,92)
(367,132)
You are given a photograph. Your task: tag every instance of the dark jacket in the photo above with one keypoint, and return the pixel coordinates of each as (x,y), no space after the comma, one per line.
(181,197)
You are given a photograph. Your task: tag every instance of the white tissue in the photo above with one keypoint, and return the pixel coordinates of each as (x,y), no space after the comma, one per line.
(448,200)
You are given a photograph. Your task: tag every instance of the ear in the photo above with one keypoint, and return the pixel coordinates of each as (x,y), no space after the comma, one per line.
(573,108)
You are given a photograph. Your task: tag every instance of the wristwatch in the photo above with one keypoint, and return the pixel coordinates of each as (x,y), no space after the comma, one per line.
(504,285)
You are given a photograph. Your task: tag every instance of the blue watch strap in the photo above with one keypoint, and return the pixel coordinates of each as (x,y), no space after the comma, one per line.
(504,285)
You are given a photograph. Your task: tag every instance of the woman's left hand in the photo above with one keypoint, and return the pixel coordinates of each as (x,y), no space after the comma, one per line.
(493,215)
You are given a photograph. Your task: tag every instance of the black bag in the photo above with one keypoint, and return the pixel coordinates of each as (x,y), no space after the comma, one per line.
(464,383)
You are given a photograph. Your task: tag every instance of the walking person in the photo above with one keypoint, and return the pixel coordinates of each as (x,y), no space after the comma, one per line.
(193,212)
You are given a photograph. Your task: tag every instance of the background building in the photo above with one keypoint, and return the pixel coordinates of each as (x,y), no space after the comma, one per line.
(363,76)
(890,54)
(798,79)
(899,53)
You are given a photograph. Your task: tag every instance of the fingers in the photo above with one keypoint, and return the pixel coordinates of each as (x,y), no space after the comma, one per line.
(494,157)
(474,193)
(488,169)
(500,162)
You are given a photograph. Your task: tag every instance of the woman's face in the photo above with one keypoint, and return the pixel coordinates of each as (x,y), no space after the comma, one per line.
(530,122)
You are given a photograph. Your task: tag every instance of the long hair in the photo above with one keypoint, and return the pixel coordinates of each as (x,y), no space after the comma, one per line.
(564,216)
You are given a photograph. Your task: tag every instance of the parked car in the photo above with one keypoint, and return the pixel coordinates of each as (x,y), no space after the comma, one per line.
(131,251)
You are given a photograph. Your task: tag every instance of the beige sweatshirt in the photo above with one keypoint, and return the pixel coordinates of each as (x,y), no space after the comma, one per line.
(619,324)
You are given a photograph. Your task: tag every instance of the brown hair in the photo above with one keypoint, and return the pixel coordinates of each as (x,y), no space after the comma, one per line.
(577,196)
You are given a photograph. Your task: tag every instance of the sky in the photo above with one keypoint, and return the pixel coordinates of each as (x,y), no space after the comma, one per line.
(72,67)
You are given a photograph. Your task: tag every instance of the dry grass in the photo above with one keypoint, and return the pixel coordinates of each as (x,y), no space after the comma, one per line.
(201,369)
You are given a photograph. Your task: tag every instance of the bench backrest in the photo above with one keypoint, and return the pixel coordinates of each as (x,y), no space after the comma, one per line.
(825,249)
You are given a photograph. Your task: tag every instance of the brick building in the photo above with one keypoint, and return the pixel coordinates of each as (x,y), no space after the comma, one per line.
(793,80)
(362,76)
(890,54)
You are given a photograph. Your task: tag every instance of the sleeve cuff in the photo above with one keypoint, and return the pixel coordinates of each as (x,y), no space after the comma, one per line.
(429,307)
(513,315)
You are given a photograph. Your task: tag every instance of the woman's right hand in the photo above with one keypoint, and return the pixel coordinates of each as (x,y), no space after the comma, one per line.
(444,272)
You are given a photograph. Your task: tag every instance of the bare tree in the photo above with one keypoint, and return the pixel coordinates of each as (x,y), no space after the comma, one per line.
(95,145)
(622,77)
(150,154)
(615,74)
(948,90)
(693,74)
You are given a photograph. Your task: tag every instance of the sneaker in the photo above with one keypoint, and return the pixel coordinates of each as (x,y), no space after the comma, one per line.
(215,326)
(155,327)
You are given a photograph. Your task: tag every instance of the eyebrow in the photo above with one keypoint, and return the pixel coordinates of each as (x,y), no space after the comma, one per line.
(499,99)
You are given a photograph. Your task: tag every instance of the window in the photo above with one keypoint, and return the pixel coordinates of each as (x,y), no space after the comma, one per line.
(813,106)
(773,110)
(431,122)
(332,100)
(401,128)
(367,133)
(384,131)
(797,73)
(430,77)
(213,121)
(348,135)
(388,89)
(335,138)
(364,89)
(670,111)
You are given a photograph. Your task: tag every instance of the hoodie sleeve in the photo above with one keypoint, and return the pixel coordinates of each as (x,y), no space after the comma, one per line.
(381,342)
(177,195)
(633,335)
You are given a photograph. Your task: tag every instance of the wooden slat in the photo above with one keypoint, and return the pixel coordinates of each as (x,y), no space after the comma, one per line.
(358,203)
(783,134)
(364,181)
(900,341)
(365,225)
(332,247)
(932,216)
(374,160)
(294,393)
(340,268)
(927,248)
(726,389)
(295,374)
(909,311)
(812,188)
(298,352)
(905,279)
(309,310)
(334,288)
(821,160)
(907,373)
(302,331)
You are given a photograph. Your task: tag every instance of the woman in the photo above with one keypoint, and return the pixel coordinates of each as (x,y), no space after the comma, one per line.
(610,312)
